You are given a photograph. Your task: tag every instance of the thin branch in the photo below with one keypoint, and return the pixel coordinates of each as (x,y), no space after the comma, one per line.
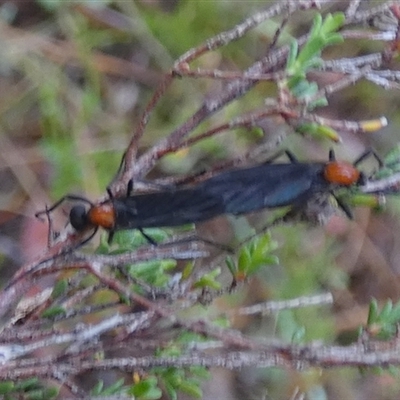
(276,306)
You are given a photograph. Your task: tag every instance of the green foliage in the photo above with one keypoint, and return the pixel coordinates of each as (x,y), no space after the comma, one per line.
(70,110)
(154,273)
(51,102)
(252,257)
(318,131)
(322,34)
(199,20)
(114,389)
(29,389)
(27,385)
(299,335)
(146,389)
(362,200)
(174,380)
(383,323)
(290,328)
(60,288)
(53,312)
(6,387)
(354,197)
(391,164)
(209,280)
(67,169)
(299,62)
(305,267)
(130,240)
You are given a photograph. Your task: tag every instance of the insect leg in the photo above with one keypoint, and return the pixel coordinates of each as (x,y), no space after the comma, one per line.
(366,154)
(110,237)
(292,158)
(59,202)
(346,209)
(147,237)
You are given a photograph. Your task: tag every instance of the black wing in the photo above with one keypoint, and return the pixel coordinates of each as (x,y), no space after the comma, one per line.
(166,208)
(234,192)
(268,185)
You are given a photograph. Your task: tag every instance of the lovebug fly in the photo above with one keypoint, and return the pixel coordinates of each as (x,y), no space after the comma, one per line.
(235,192)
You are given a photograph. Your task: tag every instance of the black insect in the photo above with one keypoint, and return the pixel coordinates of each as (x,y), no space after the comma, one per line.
(237,191)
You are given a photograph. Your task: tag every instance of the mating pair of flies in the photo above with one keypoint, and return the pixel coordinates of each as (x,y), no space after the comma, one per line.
(237,191)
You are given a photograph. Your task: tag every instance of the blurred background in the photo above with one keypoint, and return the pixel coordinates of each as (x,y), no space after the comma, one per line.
(74,79)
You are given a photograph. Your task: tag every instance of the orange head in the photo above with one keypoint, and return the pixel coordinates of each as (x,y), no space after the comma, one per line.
(102,215)
(98,215)
(341,173)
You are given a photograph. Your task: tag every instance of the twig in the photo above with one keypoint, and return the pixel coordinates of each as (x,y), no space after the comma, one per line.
(275,306)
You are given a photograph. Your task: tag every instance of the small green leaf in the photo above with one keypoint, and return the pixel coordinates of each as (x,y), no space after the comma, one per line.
(365,200)
(153,393)
(98,387)
(271,260)
(115,388)
(60,288)
(299,335)
(395,315)
(132,239)
(334,39)
(293,51)
(174,376)
(307,128)
(154,272)
(50,392)
(104,246)
(318,131)
(37,394)
(391,164)
(315,62)
(373,312)
(393,370)
(203,372)
(333,22)
(27,384)
(393,157)
(304,89)
(316,26)
(327,26)
(222,322)
(187,271)
(231,265)
(53,312)
(322,34)
(125,299)
(191,387)
(386,310)
(295,80)
(244,260)
(326,132)
(311,49)
(146,389)
(320,102)
(171,391)
(208,280)
(6,387)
